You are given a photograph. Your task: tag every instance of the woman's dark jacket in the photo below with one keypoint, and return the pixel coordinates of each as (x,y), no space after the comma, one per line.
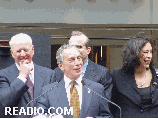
(126,94)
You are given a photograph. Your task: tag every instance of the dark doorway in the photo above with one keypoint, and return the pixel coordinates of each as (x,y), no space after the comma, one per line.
(98,55)
(54,49)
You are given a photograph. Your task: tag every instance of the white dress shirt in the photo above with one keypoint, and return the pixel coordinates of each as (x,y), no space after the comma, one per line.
(78,85)
(31,75)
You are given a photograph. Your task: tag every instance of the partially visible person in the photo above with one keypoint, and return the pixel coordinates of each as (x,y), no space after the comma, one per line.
(135,87)
(70,92)
(90,69)
(156,72)
(21,82)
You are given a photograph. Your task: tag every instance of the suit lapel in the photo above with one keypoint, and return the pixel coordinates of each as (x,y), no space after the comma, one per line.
(90,71)
(154,93)
(13,74)
(27,97)
(38,81)
(131,80)
(131,85)
(86,98)
(62,97)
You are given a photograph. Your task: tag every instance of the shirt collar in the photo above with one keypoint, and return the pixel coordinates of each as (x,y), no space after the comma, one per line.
(68,81)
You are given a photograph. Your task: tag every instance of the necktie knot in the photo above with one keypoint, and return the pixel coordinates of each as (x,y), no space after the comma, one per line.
(73,83)
(72,86)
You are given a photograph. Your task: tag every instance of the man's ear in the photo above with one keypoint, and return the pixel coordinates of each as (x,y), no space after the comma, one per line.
(60,65)
(88,50)
(33,49)
(11,51)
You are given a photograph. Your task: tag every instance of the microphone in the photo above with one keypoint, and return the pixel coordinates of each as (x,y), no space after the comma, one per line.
(43,93)
(83,83)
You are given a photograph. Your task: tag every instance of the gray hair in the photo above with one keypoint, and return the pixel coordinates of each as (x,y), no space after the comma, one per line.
(20,38)
(59,55)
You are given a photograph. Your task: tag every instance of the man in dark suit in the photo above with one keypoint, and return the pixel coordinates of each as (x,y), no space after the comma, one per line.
(59,97)
(21,82)
(90,70)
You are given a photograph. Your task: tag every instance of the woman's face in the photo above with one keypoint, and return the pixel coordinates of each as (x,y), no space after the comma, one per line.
(146,55)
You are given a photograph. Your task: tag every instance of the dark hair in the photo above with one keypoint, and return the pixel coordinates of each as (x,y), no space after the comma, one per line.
(131,51)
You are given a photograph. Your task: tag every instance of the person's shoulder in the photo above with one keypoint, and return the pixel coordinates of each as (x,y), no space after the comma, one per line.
(7,69)
(97,66)
(118,69)
(92,83)
(154,71)
(43,68)
(57,70)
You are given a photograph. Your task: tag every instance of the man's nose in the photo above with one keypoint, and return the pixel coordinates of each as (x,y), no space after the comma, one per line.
(149,55)
(22,53)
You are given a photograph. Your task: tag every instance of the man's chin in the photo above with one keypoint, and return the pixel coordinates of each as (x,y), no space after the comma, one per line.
(76,76)
(78,73)
(23,61)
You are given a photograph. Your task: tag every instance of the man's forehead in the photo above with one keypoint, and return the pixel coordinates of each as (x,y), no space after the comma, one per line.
(75,39)
(71,51)
(21,45)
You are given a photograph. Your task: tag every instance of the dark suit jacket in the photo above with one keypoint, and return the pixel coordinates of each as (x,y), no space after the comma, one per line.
(126,95)
(92,104)
(95,73)
(13,92)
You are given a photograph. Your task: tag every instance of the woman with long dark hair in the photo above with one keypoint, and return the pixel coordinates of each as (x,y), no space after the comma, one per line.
(135,87)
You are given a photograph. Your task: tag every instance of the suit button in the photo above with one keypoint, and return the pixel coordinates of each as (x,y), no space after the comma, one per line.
(141,111)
